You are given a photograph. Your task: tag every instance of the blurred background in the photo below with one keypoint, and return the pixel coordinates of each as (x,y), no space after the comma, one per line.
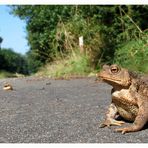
(44,40)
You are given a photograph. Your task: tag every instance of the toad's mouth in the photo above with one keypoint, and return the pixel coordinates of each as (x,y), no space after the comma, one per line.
(109,79)
(114,82)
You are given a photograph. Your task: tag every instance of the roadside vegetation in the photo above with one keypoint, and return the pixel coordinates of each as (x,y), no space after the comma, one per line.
(75,64)
(5,74)
(112,34)
(134,54)
(12,63)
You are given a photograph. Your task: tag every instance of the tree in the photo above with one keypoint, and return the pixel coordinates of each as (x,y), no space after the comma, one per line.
(1,40)
(13,62)
(33,63)
(114,24)
(41,27)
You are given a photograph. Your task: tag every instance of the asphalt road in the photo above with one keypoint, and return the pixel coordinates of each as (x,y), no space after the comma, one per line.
(58,111)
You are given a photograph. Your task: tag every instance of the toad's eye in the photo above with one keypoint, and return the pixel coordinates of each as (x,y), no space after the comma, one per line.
(114,69)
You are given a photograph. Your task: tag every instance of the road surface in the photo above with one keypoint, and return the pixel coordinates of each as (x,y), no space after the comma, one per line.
(41,110)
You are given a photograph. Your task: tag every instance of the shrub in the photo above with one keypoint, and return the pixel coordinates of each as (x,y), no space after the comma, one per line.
(133,54)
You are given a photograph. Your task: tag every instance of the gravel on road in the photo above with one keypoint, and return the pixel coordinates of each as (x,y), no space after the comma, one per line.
(42,110)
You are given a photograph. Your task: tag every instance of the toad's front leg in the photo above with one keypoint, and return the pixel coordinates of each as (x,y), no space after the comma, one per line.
(110,117)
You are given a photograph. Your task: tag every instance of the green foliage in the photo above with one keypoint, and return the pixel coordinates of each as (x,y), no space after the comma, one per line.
(32,62)
(67,36)
(12,62)
(111,33)
(6,74)
(78,64)
(41,24)
(133,54)
(75,64)
(1,40)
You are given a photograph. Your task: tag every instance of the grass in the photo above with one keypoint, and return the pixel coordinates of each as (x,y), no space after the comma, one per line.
(133,55)
(5,74)
(75,64)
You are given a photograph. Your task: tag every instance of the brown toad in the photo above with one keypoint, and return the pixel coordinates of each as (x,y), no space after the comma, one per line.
(129,98)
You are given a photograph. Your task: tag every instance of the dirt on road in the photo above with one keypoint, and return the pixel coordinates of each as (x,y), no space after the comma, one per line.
(41,110)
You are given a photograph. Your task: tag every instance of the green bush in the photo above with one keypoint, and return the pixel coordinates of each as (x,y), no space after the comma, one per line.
(68,33)
(111,34)
(75,64)
(133,55)
(6,74)
(13,62)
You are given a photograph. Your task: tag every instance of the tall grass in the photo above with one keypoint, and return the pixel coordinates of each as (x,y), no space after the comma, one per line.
(67,38)
(5,74)
(69,60)
(75,64)
(133,54)
(130,51)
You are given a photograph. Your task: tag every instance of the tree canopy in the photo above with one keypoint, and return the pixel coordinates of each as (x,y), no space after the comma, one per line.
(54,29)
(13,62)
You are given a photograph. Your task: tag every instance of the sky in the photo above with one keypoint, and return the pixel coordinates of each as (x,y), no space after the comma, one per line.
(13,31)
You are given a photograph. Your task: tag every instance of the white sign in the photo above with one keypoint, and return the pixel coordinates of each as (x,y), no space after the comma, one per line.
(81,41)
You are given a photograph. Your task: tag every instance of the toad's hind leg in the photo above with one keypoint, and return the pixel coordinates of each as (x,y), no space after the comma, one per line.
(110,117)
(140,120)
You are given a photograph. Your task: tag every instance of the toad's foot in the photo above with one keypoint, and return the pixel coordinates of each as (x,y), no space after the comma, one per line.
(122,130)
(127,129)
(110,122)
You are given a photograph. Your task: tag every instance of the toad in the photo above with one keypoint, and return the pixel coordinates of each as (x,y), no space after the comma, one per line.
(129,98)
